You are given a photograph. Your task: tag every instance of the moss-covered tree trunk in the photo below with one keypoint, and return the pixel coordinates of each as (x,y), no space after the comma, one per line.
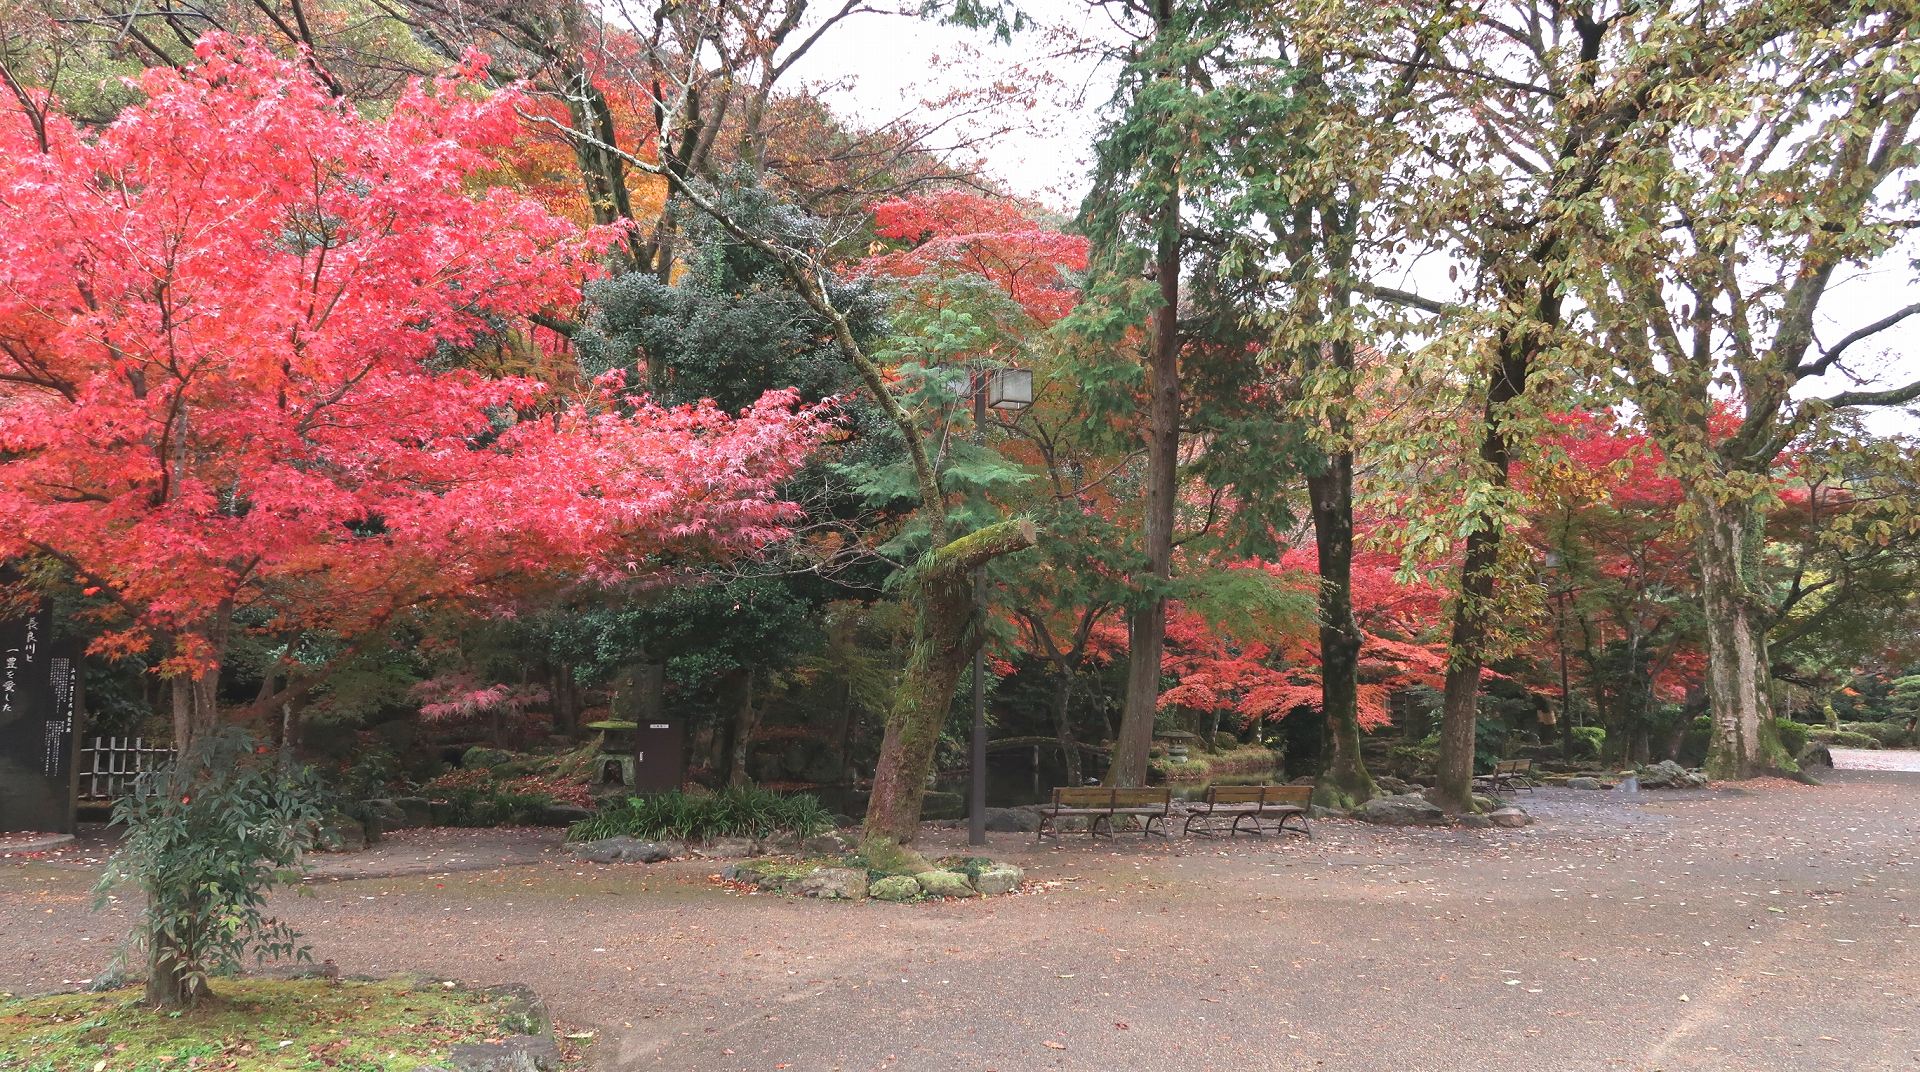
(944,637)
(1744,742)
(1344,782)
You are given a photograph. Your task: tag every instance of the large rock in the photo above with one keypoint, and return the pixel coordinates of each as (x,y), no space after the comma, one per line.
(1401,809)
(340,833)
(1012,820)
(622,850)
(731,848)
(997,879)
(563,814)
(826,845)
(383,814)
(1510,817)
(479,756)
(516,1053)
(834,884)
(945,884)
(1476,822)
(1667,774)
(417,811)
(1585,783)
(895,888)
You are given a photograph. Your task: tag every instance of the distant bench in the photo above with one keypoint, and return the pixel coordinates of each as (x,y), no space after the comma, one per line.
(1508,776)
(1100,804)
(1251,804)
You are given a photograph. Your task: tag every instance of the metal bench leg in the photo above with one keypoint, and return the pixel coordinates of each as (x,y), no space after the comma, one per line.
(1093,826)
(1149,831)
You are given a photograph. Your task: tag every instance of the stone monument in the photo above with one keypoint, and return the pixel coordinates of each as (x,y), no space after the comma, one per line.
(39,713)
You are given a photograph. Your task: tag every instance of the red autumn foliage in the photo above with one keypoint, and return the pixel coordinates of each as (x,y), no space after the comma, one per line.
(993,237)
(231,327)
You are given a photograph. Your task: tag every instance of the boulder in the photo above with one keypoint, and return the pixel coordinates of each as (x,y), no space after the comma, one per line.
(834,884)
(1012,820)
(997,879)
(895,888)
(417,811)
(490,758)
(785,844)
(730,848)
(384,814)
(1584,783)
(1476,822)
(340,833)
(748,873)
(1667,774)
(1400,809)
(941,805)
(945,884)
(826,845)
(1510,817)
(563,814)
(515,1053)
(622,850)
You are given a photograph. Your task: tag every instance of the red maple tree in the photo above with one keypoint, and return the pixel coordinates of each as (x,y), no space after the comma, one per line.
(232,327)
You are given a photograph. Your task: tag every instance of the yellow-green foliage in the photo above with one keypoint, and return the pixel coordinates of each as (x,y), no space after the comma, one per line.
(251,1025)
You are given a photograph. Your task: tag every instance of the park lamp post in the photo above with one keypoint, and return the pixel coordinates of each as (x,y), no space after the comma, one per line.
(1008,390)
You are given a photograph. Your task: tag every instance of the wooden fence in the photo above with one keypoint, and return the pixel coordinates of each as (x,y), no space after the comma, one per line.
(108,765)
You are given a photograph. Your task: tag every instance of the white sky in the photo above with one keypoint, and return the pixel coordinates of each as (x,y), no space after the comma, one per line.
(895,63)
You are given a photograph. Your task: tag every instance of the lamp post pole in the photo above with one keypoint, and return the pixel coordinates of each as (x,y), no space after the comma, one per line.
(977,807)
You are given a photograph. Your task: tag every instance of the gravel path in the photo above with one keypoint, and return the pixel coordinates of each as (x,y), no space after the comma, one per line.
(1720,929)
(1888,759)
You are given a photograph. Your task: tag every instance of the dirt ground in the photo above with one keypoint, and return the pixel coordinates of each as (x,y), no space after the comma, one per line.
(1714,929)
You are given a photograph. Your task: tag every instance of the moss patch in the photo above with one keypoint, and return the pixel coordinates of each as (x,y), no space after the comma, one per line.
(1204,766)
(252,1024)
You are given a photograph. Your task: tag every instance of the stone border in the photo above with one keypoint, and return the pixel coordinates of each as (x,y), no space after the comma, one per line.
(39,844)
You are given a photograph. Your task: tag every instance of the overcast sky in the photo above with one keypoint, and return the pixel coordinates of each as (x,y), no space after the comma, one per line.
(895,63)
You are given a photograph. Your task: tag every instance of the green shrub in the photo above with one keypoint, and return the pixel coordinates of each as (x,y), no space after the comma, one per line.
(1889,734)
(1589,740)
(1793,735)
(485,796)
(207,837)
(1696,741)
(1842,738)
(733,812)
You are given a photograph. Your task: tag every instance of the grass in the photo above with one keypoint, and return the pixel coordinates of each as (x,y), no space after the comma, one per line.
(251,1025)
(732,812)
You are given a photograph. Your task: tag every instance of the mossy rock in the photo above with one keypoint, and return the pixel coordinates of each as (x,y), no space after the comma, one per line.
(894,888)
(479,757)
(946,884)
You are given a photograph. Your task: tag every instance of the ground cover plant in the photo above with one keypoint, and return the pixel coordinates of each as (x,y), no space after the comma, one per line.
(261,1025)
(744,812)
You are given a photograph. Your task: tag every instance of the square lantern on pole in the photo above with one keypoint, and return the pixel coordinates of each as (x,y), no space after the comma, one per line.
(1009,388)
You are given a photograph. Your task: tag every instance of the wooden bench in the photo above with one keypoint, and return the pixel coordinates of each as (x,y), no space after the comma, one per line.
(1100,804)
(1249,804)
(1509,776)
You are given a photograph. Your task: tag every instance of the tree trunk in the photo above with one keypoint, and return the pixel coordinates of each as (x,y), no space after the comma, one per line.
(1744,741)
(943,641)
(168,984)
(1460,703)
(1063,723)
(1147,623)
(1344,783)
(746,719)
